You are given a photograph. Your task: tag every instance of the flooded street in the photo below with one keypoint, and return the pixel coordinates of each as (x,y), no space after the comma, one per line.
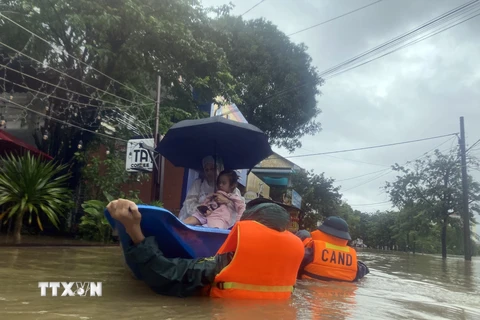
(400,286)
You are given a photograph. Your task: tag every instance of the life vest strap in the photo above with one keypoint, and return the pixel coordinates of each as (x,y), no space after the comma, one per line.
(307,241)
(252,287)
(317,277)
(335,247)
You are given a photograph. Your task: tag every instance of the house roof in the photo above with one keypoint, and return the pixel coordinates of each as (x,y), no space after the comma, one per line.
(283,158)
(10,143)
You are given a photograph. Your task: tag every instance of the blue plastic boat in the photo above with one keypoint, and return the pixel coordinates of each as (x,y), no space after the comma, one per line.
(174,238)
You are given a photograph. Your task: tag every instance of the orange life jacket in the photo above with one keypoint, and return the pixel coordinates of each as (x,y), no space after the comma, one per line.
(306,241)
(264,266)
(333,259)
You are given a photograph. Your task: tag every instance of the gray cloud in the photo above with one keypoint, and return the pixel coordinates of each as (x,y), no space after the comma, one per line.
(417,92)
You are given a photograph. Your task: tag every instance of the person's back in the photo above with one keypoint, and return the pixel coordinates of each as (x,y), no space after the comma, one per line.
(327,255)
(264,266)
(259,260)
(333,259)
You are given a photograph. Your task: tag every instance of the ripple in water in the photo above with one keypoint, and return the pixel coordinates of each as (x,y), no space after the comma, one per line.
(400,286)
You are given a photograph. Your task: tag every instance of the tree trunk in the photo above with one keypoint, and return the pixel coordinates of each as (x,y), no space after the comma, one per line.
(17,231)
(414,243)
(445,205)
(407,249)
(444,238)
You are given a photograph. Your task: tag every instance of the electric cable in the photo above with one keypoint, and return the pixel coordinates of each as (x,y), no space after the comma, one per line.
(71,56)
(61,121)
(259,3)
(370,147)
(332,19)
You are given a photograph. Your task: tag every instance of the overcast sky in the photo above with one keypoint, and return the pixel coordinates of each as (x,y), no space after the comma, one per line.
(417,92)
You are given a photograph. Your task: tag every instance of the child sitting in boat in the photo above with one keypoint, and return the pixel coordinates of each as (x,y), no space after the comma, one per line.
(221,209)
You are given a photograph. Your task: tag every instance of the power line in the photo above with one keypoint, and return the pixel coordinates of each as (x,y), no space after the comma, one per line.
(384,172)
(391,170)
(473,145)
(388,201)
(451,13)
(49,95)
(85,64)
(475,149)
(351,160)
(364,175)
(402,47)
(331,71)
(357,161)
(435,148)
(61,121)
(68,90)
(252,8)
(368,204)
(74,92)
(67,100)
(371,147)
(367,182)
(65,74)
(332,19)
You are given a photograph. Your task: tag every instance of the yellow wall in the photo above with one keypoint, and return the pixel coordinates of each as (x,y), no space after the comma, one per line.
(254,183)
(275,161)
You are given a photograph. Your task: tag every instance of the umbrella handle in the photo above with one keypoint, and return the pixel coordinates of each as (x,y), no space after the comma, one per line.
(215,167)
(215,170)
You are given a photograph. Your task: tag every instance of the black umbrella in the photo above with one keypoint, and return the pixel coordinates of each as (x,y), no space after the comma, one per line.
(240,145)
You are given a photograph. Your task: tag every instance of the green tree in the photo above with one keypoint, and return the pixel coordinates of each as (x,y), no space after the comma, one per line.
(353,219)
(320,198)
(380,232)
(94,225)
(104,173)
(412,225)
(34,187)
(131,41)
(431,191)
(94,42)
(276,81)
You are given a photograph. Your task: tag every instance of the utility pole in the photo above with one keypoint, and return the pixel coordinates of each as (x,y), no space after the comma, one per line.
(156,157)
(466,212)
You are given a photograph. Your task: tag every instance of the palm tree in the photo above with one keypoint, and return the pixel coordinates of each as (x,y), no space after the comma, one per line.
(32,186)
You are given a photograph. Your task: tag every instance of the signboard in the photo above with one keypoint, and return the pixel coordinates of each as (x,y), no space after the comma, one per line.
(296,200)
(292,198)
(137,157)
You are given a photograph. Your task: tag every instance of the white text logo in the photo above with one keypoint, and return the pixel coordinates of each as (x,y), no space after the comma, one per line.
(71,289)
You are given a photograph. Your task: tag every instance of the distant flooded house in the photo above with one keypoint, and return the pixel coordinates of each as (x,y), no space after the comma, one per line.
(358,243)
(274,174)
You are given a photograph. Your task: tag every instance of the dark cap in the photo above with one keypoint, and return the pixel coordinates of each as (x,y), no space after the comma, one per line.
(256,201)
(303,234)
(335,226)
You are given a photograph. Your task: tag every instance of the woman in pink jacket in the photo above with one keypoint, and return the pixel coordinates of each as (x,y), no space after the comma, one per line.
(202,187)
(221,209)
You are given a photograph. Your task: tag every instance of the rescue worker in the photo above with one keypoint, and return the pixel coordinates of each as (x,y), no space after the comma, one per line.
(305,236)
(327,256)
(258,260)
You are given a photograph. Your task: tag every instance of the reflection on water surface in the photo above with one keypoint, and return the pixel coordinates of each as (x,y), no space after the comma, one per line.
(400,286)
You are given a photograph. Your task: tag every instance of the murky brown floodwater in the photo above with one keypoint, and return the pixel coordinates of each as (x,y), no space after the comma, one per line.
(400,286)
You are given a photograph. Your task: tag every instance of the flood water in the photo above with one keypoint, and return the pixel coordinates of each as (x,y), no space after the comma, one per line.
(400,286)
